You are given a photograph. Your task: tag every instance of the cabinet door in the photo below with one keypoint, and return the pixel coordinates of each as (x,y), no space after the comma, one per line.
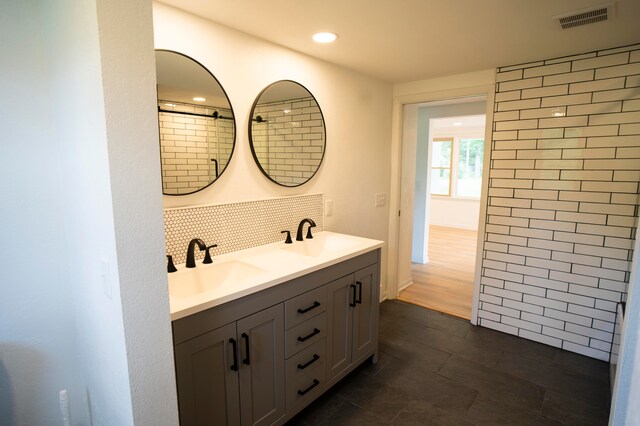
(365,312)
(261,340)
(340,300)
(206,380)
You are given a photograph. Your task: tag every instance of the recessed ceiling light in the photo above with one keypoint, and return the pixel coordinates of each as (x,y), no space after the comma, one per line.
(199,99)
(457,123)
(325,37)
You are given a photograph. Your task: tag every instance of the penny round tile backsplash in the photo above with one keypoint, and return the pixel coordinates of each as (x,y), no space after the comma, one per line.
(237,226)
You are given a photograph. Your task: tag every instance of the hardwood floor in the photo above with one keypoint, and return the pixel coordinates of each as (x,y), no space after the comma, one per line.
(445,284)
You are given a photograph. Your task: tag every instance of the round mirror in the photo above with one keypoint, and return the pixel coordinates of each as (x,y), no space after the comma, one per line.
(287,133)
(197,126)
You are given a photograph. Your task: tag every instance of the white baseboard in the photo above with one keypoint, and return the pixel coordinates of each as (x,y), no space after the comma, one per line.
(404,284)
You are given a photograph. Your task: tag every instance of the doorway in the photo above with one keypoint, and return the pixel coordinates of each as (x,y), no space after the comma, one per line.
(442,163)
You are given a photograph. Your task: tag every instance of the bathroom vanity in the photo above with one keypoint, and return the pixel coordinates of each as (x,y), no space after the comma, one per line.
(296,320)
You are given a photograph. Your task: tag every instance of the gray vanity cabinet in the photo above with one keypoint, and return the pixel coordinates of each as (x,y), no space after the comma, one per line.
(260,359)
(351,321)
(207,384)
(234,374)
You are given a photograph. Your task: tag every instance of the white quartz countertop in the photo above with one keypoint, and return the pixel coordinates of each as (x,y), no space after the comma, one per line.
(240,273)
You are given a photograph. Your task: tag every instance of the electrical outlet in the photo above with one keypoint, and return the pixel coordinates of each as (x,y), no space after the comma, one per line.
(381,199)
(328,207)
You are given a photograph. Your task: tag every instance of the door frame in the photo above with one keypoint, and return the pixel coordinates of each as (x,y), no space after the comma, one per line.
(400,220)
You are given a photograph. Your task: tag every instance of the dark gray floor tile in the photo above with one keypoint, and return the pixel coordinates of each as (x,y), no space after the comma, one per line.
(419,413)
(583,365)
(409,350)
(420,382)
(439,370)
(437,320)
(571,411)
(490,382)
(557,378)
(510,344)
(371,368)
(352,415)
(486,411)
(318,412)
(479,352)
(374,396)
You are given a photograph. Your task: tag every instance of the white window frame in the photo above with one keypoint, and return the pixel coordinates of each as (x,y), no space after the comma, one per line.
(455,157)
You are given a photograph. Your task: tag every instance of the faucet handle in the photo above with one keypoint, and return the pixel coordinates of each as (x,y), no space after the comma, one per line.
(207,256)
(288,240)
(170,266)
(313,225)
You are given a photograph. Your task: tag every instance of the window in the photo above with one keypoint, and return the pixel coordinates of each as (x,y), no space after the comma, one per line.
(456,166)
(441,166)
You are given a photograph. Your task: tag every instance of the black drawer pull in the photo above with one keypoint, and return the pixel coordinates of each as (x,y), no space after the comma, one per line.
(234,344)
(313,333)
(305,365)
(353,294)
(359,299)
(304,311)
(247,350)
(315,383)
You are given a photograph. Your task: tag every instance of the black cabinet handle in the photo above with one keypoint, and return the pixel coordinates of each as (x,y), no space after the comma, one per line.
(315,383)
(234,344)
(353,294)
(313,333)
(359,299)
(305,365)
(247,358)
(304,311)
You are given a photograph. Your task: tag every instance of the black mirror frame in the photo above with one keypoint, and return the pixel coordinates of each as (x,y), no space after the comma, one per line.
(235,133)
(251,119)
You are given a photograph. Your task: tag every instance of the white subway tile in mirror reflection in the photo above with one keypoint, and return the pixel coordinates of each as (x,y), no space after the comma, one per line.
(237,226)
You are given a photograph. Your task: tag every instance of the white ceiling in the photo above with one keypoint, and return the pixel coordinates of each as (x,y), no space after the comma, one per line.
(406,40)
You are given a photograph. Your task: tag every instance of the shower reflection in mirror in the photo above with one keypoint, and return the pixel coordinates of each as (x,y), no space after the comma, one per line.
(197,126)
(287,133)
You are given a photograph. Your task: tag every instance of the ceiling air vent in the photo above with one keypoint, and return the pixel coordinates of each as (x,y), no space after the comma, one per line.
(585,16)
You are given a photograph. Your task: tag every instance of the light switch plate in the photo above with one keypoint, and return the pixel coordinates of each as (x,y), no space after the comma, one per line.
(381,199)
(328,207)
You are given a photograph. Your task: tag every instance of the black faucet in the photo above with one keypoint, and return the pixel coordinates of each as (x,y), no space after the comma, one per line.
(170,266)
(207,255)
(311,223)
(191,260)
(288,240)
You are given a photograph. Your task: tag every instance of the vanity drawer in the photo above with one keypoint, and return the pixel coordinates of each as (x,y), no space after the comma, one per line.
(305,306)
(304,361)
(306,387)
(305,334)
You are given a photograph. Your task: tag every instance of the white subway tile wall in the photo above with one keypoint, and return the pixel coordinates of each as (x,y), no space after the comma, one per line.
(563,199)
(188,144)
(290,144)
(237,226)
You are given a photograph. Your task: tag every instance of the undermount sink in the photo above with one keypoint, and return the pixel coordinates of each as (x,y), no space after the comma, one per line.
(216,276)
(320,245)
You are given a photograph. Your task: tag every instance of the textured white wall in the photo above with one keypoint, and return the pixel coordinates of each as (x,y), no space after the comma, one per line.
(455,213)
(64,321)
(129,79)
(357,111)
(37,327)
